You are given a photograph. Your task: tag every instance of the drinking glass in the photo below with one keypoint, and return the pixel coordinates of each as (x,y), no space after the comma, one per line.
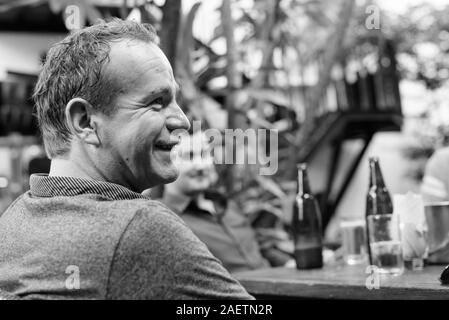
(385,243)
(353,241)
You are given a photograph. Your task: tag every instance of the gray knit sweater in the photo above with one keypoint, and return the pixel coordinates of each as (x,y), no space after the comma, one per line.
(70,238)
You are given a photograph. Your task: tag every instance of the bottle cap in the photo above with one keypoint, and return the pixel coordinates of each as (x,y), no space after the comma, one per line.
(302,166)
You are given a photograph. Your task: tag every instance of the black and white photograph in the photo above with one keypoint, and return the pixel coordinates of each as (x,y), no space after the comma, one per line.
(224,150)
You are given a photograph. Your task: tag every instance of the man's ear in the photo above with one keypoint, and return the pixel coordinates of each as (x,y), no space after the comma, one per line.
(78,114)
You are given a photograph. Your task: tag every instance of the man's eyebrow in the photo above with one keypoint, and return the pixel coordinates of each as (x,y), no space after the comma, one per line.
(153,93)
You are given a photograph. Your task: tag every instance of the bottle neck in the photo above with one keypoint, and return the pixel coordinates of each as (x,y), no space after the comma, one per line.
(378,198)
(303,182)
(376,178)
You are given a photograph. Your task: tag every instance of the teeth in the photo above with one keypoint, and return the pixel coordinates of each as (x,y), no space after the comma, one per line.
(165,146)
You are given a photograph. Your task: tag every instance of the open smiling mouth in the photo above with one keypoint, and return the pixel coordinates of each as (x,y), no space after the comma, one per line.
(165,146)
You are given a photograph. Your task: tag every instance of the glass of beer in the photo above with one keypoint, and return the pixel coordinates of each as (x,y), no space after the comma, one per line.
(385,243)
(353,241)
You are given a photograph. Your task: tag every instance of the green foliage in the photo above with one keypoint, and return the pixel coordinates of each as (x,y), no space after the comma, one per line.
(421,36)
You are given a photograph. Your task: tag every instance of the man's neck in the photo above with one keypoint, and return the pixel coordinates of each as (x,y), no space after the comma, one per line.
(68,168)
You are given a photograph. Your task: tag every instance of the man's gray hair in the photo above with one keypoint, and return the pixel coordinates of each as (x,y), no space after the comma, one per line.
(73,69)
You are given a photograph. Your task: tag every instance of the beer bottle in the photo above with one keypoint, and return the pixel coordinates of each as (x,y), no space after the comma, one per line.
(378,200)
(306,225)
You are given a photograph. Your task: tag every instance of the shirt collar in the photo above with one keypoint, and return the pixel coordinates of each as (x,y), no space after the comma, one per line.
(177,202)
(53,186)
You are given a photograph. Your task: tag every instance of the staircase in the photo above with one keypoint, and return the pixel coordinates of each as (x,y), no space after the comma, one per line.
(369,105)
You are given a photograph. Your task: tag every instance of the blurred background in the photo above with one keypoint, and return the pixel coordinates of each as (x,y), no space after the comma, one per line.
(340,81)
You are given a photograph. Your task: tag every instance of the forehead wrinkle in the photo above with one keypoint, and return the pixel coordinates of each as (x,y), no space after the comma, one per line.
(137,71)
(128,65)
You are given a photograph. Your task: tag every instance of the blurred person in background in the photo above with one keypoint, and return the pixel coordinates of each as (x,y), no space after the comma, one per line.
(217,221)
(435,184)
(106,107)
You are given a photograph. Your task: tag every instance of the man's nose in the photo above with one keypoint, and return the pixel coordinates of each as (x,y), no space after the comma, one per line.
(177,119)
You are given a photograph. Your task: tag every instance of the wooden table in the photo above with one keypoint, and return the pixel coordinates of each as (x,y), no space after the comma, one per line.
(343,282)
